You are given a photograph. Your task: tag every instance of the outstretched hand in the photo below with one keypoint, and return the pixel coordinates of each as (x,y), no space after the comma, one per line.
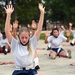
(28,26)
(15,24)
(47,33)
(70,24)
(33,24)
(62,27)
(41,8)
(9,9)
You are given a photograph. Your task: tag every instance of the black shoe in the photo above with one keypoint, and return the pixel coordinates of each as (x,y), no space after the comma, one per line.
(37,67)
(48,48)
(71,44)
(4,51)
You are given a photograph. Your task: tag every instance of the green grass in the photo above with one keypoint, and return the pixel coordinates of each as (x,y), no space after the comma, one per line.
(42,36)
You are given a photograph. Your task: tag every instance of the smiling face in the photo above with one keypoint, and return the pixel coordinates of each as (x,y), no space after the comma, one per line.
(24,36)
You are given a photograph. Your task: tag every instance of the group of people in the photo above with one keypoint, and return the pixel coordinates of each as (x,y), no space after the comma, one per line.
(23,45)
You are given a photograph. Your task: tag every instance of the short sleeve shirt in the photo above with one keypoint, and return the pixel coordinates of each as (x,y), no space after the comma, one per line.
(3,42)
(56,42)
(61,32)
(21,54)
(73,32)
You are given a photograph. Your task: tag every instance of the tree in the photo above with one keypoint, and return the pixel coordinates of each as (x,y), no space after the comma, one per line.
(27,10)
(62,10)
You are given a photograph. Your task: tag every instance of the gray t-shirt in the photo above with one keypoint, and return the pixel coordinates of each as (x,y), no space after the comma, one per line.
(56,42)
(3,42)
(21,55)
(61,32)
(73,32)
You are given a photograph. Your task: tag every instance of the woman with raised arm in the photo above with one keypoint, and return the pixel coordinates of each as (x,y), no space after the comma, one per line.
(14,33)
(72,43)
(56,40)
(23,50)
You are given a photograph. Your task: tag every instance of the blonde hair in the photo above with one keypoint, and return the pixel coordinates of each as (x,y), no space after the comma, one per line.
(28,45)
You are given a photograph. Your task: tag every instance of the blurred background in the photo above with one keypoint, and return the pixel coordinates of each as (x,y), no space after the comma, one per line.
(57,12)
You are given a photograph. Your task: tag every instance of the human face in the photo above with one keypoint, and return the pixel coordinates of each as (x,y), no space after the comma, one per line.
(24,37)
(55,33)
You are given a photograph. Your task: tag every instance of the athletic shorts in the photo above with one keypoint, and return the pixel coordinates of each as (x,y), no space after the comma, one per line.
(25,72)
(57,50)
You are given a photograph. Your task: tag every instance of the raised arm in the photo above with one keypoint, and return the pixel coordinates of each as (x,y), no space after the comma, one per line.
(33,26)
(63,28)
(40,24)
(47,34)
(70,26)
(9,10)
(15,26)
(68,35)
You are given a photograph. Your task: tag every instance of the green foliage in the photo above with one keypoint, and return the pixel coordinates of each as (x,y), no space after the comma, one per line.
(60,10)
(56,10)
(27,10)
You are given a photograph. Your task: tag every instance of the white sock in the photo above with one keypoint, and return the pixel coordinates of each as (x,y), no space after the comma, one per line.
(36,61)
(49,45)
(73,41)
(6,50)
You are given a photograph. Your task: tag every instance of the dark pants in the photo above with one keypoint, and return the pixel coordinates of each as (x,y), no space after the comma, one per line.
(25,72)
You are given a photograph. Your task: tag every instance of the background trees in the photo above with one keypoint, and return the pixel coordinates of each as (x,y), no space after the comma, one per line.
(60,10)
(27,10)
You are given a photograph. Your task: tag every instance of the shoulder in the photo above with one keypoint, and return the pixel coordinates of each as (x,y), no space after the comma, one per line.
(51,36)
(61,36)
(33,37)
(14,40)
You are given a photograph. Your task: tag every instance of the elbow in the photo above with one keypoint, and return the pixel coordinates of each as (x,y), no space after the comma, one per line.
(45,41)
(67,40)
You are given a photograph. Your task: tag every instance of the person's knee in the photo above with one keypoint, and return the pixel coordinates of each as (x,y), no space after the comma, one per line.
(39,74)
(1,50)
(62,53)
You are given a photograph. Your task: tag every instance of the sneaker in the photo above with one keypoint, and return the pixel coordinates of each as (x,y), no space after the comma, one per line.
(4,50)
(52,56)
(72,44)
(37,67)
(48,48)
(69,54)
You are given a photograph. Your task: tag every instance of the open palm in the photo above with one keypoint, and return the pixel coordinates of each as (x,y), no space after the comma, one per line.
(41,8)
(9,9)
